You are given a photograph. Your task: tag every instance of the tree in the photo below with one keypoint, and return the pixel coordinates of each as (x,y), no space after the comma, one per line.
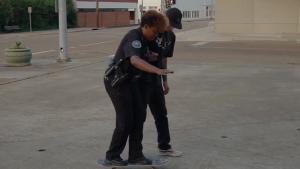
(20,15)
(71,14)
(5,12)
(14,12)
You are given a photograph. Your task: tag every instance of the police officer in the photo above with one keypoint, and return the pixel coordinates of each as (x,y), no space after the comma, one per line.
(157,86)
(126,94)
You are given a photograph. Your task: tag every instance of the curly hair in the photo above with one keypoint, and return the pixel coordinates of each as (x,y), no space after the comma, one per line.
(153,18)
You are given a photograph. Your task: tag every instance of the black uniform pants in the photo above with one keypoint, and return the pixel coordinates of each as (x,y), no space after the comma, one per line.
(130,117)
(157,104)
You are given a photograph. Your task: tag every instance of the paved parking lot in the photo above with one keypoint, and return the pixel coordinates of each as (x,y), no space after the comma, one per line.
(232,104)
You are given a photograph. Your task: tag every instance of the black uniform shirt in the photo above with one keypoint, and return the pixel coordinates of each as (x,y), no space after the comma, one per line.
(164,46)
(133,44)
(166,41)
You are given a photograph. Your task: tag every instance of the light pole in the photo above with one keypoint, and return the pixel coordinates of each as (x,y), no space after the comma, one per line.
(97,13)
(63,45)
(29,12)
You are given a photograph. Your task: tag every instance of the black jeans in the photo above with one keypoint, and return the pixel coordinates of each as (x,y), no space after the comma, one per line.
(155,99)
(130,117)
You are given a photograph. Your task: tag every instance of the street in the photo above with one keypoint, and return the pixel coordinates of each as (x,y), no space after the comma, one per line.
(232,104)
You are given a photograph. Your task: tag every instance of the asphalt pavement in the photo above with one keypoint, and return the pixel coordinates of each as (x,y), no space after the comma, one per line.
(233,103)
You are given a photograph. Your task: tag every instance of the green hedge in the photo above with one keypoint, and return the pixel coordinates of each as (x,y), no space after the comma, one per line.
(14,12)
(5,12)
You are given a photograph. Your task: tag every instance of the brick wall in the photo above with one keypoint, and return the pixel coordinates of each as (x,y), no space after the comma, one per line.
(106,19)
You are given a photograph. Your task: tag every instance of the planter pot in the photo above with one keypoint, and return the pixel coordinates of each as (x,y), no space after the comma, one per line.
(18,57)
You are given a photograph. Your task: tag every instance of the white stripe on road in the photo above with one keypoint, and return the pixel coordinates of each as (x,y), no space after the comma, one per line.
(47,51)
(72,47)
(92,44)
(200,43)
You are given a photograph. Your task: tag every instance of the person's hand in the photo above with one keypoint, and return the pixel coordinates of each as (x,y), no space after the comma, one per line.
(164,71)
(152,56)
(166,87)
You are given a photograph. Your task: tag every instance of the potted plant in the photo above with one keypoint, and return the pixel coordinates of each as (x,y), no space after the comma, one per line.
(18,55)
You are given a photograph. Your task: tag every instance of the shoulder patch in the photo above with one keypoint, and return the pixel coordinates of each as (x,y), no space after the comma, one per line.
(136,44)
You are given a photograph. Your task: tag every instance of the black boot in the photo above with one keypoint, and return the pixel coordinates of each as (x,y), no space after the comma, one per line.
(116,162)
(140,161)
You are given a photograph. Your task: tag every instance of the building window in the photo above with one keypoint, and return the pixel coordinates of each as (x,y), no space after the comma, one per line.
(184,14)
(195,14)
(190,14)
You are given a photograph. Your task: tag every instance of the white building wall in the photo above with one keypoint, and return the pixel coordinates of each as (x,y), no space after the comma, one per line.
(257,16)
(195,9)
(105,5)
(192,9)
(149,4)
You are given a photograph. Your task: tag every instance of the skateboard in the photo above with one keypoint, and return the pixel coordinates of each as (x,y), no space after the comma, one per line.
(155,163)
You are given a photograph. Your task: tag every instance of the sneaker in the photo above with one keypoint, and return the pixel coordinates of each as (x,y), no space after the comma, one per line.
(116,162)
(170,152)
(140,161)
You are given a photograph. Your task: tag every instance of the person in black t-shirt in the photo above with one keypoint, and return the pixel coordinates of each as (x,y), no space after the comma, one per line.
(127,96)
(157,86)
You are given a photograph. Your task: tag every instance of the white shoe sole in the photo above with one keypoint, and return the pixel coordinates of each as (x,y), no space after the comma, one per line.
(171,154)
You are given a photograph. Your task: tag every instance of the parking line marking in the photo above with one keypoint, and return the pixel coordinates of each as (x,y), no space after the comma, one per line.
(72,47)
(200,43)
(92,44)
(46,51)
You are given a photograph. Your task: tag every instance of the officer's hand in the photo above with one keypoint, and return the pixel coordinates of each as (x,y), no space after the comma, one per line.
(166,87)
(164,71)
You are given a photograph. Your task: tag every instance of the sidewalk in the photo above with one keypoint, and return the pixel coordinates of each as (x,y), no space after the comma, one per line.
(207,34)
